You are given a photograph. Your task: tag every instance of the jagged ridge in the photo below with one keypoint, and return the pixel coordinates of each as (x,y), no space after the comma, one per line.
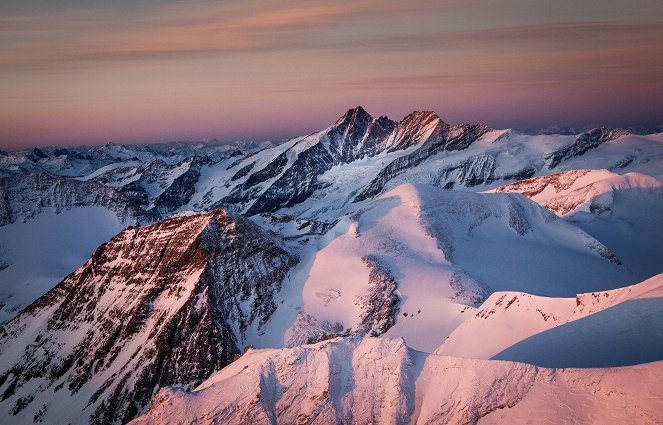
(159,305)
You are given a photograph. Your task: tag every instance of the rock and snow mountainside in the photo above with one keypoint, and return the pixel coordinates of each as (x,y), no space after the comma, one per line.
(370,227)
(624,212)
(49,226)
(323,175)
(159,305)
(316,178)
(327,173)
(581,190)
(28,195)
(446,251)
(375,380)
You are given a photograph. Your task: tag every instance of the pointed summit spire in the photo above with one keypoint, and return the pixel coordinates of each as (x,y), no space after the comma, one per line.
(420,117)
(358,113)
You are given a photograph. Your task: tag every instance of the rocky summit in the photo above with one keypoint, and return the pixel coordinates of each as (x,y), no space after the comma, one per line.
(166,304)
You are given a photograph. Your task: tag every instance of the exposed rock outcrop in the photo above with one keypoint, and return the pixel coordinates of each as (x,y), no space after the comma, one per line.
(25,195)
(583,143)
(166,304)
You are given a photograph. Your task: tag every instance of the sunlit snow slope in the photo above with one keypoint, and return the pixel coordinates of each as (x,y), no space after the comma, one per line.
(375,380)
(597,329)
(624,212)
(445,251)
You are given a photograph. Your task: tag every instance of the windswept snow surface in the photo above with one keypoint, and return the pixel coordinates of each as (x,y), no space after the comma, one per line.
(597,329)
(375,380)
(446,250)
(40,252)
(624,212)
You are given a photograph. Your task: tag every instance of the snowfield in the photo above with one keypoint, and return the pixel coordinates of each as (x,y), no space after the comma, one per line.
(609,328)
(39,253)
(447,251)
(624,212)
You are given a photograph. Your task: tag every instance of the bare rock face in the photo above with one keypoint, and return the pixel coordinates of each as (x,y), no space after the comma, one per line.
(181,189)
(413,129)
(473,171)
(25,195)
(442,138)
(160,305)
(380,303)
(583,143)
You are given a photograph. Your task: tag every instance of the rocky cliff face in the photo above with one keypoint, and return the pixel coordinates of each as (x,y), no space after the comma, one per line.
(182,188)
(473,171)
(413,129)
(380,303)
(25,195)
(443,137)
(166,304)
(583,143)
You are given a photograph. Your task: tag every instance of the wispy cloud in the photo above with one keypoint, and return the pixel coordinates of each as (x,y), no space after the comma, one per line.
(106,63)
(172,32)
(218,29)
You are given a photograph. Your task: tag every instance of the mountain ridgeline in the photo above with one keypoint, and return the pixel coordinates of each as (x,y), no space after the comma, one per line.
(148,183)
(357,260)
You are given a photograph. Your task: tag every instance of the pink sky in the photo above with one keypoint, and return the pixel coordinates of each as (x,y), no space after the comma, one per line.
(76,72)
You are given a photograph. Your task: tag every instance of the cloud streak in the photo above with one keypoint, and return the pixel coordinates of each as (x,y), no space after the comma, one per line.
(164,36)
(277,30)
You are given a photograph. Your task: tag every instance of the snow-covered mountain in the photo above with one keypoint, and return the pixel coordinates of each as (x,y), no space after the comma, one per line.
(375,380)
(355,159)
(159,305)
(582,190)
(400,244)
(597,329)
(621,211)
(445,251)
(378,380)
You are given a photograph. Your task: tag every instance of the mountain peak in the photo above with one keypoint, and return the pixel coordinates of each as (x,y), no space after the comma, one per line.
(38,153)
(358,113)
(420,117)
(177,289)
